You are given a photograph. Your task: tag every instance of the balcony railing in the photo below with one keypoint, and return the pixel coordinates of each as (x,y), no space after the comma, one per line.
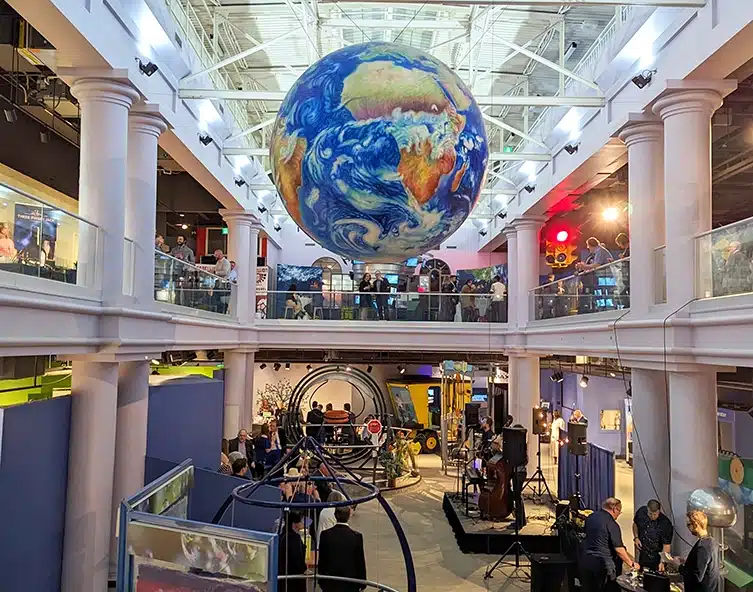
(723,260)
(399,306)
(183,284)
(40,240)
(601,289)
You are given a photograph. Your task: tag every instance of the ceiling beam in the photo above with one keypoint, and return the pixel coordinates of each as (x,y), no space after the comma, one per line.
(494,156)
(557,3)
(251,130)
(392,24)
(514,130)
(513,101)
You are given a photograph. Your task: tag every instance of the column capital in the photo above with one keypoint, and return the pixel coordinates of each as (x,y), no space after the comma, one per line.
(528,223)
(104,90)
(641,128)
(692,96)
(242,217)
(146,119)
(510,231)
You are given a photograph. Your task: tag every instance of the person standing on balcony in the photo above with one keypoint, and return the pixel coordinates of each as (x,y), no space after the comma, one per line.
(159,240)
(449,303)
(598,255)
(382,288)
(365,299)
(182,251)
(499,294)
(222,266)
(468,301)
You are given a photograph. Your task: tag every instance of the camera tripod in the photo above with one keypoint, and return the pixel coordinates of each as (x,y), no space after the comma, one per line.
(537,481)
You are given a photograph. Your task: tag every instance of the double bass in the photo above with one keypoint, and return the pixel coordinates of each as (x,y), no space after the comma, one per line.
(496,499)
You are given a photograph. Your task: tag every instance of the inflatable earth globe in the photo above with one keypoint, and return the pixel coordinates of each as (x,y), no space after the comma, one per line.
(379,152)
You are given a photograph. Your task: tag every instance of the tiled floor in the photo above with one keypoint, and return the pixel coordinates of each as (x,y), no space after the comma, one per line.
(439,563)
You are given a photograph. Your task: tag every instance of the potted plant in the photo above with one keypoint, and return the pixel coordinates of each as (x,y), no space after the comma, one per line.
(393,467)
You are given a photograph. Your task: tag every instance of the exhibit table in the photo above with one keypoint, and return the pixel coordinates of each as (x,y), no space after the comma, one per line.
(634,583)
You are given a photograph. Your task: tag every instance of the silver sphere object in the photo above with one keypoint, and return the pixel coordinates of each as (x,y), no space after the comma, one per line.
(716,503)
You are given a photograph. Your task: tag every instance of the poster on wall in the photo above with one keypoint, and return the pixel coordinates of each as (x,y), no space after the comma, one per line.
(34,229)
(299,280)
(262,287)
(482,277)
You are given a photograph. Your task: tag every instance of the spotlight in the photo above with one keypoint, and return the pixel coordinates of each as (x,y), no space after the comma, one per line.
(610,214)
(262,209)
(262,366)
(309,368)
(155,362)
(11,116)
(502,215)
(401,369)
(44,136)
(277,366)
(278,228)
(644,78)
(612,374)
(287,365)
(369,369)
(482,232)
(557,377)
(239,182)
(583,381)
(348,368)
(562,236)
(530,188)
(205,139)
(571,147)
(184,226)
(147,69)
(629,391)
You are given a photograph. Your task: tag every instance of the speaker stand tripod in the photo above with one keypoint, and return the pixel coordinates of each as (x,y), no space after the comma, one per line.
(515,549)
(576,501)
(537,481)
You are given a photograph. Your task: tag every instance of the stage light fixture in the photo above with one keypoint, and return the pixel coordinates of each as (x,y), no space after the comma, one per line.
(44,136)
(182,215)
(277,366)
(644,78)
(583,381)
(287,365)
(147,69)
(401,369)
(571,147)
(610,214)
(262,209)
(240,182)
(205,139)
(278,228)
(483,232)
(502,215)
(530,188)
(369,368)
(612,374)
(562,236)
(184,226)
(262,366)
(308,368)
(11,116)
(557,377)
(155,362)
(348,368)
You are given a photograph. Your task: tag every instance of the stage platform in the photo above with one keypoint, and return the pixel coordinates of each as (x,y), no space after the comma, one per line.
(484,536)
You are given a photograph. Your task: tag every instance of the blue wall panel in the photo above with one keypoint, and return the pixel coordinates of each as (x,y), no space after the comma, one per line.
(185,421)
(33,481)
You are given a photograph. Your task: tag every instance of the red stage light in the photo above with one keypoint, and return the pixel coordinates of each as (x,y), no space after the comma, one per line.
(562,236)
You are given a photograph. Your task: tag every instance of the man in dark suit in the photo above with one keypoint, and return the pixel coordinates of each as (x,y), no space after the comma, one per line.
(244,445)
(314,421)
(341,554)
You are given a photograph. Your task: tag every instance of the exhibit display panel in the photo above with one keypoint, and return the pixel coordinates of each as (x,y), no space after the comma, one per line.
(600,289)
(723,260)
(41,240)
(160,549)
(184,284)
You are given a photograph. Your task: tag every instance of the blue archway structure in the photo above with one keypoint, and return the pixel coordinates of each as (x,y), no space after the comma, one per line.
(335,473)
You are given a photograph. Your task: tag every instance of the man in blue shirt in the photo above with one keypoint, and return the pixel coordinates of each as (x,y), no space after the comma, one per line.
(603,551)
(598,255)
(652,532)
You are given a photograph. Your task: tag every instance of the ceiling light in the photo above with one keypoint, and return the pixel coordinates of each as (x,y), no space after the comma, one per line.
(184,226)
(583,381)
(369,368)
(571,147)
(205,139)
(557,377)
(44,136)
(277,366)
(262,366)
(502,215)
(401,369)
(610,214)
(287,365)
(240,182)
(147,69)
(182,215)
(11,116)
(278,228)
(309,368)
(155,362)
(482,232)
(262,209)
(348,368)
(530,188)
(644,78)
(562,236)
(612,374)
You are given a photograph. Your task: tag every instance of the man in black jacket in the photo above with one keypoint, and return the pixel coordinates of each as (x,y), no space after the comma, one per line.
(291,558)
(341,554)
(314,422)
(244,445)
(382,288)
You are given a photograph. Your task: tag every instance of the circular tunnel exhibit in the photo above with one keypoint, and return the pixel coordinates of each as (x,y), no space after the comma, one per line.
(367,399)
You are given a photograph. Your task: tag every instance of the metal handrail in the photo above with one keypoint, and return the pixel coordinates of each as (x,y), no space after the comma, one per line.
(197,269)
(727,227)
(580,274)
(355,293)
(47,204)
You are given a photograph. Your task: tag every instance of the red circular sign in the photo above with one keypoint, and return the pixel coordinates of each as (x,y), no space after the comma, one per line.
(374,426)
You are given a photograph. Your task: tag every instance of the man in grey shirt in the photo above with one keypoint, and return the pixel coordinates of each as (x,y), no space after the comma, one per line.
(598,255)
(182,251)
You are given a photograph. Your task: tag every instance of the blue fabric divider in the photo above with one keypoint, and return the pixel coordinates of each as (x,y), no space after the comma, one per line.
(596,475)
(185,421)
(209,492)
(32,495)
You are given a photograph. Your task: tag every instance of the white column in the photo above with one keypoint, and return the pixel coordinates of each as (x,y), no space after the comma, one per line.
(512,276)
(130,439)
(529,254)
(645,142)
(687,183)
(104,108)
(141,199)
(91,457)
(526,395)
(247,419)
(240,249)
(694,442)
(650,437)
(235,384)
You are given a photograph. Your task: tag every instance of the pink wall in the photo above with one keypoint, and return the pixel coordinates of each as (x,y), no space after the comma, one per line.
(458,259)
